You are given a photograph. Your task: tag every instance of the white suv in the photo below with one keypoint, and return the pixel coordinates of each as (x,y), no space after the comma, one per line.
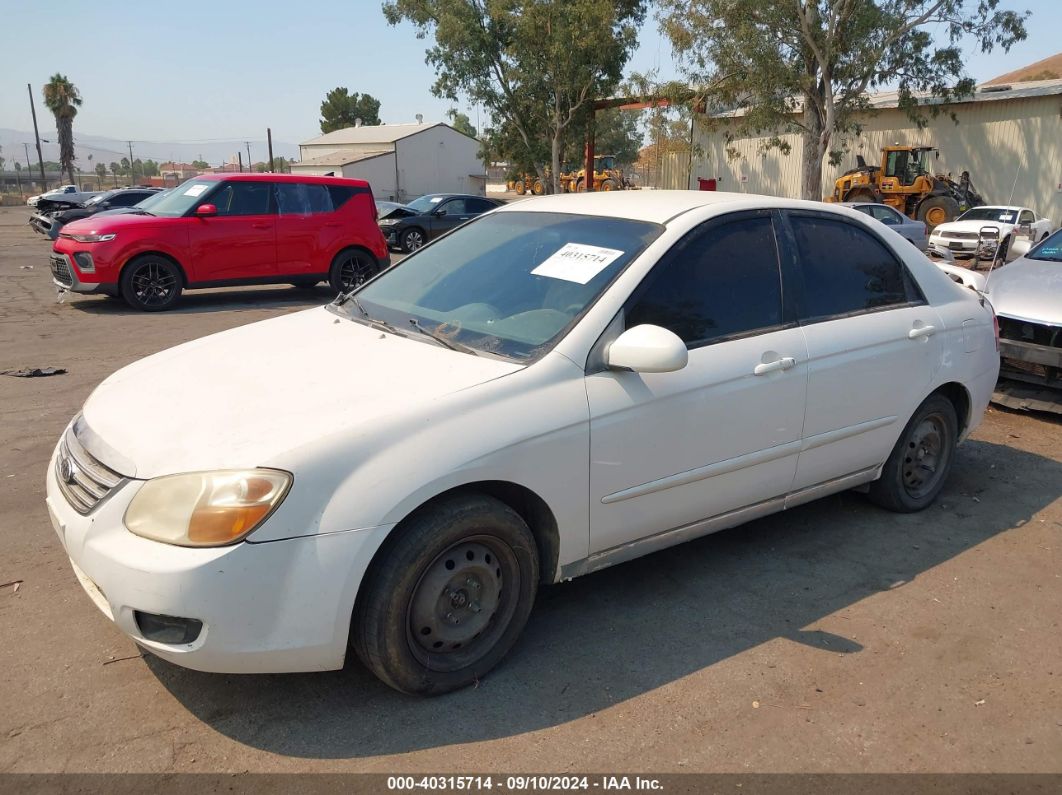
(559,386)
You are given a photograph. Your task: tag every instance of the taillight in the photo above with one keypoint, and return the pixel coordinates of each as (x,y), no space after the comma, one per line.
(995,329)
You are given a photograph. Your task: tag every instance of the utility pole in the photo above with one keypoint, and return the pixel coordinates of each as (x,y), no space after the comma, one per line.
(269,138)
(248,143)
(239,155)
(132,171)
(37,135)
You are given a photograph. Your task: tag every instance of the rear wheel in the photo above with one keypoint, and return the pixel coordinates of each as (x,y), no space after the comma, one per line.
(151,283)
(580,185)
(444,603)
(351,268)
(538,188)
(920,462)
(520,188)
(937,210)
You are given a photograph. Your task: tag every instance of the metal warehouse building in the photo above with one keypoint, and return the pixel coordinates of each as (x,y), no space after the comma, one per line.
(1009,137)
(399,161)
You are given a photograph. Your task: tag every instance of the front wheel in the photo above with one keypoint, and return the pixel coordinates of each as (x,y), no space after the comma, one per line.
(411,240)
(350,269)
(151,283)
(920,462)
(446,600)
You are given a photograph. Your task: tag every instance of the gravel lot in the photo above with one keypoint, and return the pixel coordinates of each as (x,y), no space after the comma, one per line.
(835,637)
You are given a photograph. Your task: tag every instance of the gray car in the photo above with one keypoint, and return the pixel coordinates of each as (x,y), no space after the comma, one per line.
(915,231)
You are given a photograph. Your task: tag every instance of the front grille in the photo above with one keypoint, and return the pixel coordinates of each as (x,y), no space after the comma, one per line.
(961,235)
(61,269)
(83,479)
(1036,333)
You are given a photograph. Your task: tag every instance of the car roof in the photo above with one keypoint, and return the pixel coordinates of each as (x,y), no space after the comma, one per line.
(659,206)
(456,196)
(305,179)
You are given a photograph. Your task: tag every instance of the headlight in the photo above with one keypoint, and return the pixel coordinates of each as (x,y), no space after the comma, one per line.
(93,237)
(206,509)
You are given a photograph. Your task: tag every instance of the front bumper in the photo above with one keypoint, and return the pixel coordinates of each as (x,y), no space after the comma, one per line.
(45,224)
(273,607)
(64,276)
(959,246)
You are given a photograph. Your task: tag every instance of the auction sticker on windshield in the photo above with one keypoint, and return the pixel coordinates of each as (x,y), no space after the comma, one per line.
(195,190)
(577,262)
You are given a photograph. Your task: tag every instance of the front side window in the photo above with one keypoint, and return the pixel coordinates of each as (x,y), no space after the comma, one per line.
(454,207)
(845,269)
(509,284)
(242,198)
(716,283)
(295,198)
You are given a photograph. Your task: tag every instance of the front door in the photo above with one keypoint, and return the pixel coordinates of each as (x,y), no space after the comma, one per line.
(448,215)
(872,346)
(668,449)
(240,241)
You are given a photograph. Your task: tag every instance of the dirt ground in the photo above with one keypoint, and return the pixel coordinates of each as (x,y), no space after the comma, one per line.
(834,637)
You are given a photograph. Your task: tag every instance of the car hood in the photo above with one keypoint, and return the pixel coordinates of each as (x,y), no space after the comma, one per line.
(242,398)
(974,226)
(103,223)
(1028,289)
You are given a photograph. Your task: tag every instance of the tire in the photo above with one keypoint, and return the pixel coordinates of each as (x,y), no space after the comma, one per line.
(608,184)
(937,210)
(861,195)
(520,188)
(538,188)
(580,185)
(151,283)
(446,566)
(412,239)
(351,268)
(929,436)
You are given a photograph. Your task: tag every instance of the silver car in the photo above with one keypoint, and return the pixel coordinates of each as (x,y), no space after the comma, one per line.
(915,231)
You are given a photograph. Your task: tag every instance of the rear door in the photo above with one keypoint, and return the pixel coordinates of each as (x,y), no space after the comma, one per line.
(872,345)
(239,243)
(307,228)
(669,449)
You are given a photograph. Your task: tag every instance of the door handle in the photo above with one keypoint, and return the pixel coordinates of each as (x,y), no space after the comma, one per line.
(921,331)
(259,226)
(770,367)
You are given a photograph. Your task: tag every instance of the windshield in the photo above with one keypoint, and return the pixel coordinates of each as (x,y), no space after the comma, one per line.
(1050,250)
(510,283)
(425,204)
(182,198)
(1003,215)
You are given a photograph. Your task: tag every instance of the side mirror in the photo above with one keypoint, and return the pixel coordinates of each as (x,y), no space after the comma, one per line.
(206,210)
(439,213)
(647,349)
(1025,230)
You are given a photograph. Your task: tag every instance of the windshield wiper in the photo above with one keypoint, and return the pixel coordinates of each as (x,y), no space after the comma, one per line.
(442,339)
(373,321)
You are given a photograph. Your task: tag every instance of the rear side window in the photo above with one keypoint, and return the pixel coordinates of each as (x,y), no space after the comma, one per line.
(845,269)
(295,198)
(341,194)
(716,283)
(479,205)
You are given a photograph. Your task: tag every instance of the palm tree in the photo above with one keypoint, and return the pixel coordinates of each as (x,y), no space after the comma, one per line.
(63,99)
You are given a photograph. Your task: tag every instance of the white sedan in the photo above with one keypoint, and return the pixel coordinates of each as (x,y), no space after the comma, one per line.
(1019,229)
(558,386)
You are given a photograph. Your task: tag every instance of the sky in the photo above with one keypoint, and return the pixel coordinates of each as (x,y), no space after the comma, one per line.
(195,70)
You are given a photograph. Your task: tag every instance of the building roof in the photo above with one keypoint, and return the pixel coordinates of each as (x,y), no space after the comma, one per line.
(343,157)
(375,134)
(983,93)
(1044,69)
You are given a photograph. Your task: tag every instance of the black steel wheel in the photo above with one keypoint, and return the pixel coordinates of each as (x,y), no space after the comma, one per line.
(447,596)
(151,283)
(920,462)
(351,269)
(412,239)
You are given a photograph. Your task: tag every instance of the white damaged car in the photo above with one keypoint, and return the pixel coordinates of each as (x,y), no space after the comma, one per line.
(1019,228)
(556,387)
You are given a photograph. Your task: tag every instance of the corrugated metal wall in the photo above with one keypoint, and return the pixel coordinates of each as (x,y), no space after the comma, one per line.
(1009,145)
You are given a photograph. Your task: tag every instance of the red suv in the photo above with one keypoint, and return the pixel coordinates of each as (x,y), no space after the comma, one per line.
(221,230)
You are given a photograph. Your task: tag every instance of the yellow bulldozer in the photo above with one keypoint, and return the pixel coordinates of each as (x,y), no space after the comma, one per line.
(527,183)
(607,176)
(904,182)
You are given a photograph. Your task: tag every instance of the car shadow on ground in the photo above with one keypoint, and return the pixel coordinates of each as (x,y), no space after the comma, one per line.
(232,299)
(625,631)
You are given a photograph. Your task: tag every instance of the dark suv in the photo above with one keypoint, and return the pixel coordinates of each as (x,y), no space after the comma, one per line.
(424,219)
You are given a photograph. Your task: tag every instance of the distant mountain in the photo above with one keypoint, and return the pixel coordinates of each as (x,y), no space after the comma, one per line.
(108,150)
(1047,69)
